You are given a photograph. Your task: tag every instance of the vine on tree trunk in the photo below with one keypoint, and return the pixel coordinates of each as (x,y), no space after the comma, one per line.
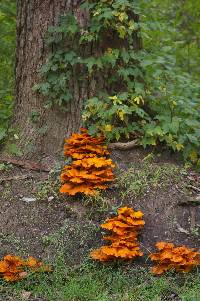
(130,94)
(115,106)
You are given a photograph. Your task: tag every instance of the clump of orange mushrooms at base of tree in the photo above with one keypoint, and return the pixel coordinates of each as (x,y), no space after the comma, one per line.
(90,168)
(169,257)
(123,241)
(14,268)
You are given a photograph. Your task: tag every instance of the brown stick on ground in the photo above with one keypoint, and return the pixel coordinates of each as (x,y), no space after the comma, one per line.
(16,178)
(26,164)
(123,145)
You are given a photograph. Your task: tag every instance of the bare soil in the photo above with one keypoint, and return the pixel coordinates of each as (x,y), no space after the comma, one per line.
(53,223)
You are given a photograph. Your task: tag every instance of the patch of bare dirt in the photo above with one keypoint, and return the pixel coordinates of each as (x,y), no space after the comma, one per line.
(50,223)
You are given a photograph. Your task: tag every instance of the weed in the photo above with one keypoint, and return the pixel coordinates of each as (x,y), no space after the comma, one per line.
(48,188)
(143,177)
(73,240)
(56,238)
(5,167)
(7,192)
(13,241)
(195,231)
(96,204)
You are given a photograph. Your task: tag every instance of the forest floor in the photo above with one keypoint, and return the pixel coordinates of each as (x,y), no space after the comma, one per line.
(37,221)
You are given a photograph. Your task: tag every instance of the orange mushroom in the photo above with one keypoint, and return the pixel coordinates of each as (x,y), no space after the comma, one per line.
(169,257)
(123,241)
(90,169)
(14,268)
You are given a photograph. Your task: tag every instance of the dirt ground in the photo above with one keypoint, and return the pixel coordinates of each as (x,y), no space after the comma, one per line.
(48,223)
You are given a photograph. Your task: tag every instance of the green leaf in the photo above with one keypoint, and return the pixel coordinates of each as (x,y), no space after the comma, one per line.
(14,150)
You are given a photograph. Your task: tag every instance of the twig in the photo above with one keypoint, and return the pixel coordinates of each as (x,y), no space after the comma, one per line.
(194,188)
(26,164)
(15,178)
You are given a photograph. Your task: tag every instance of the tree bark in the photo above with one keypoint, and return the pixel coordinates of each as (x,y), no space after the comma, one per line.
(45,136)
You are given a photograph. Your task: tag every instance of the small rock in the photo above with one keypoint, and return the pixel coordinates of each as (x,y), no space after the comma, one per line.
(182,230)
(50,198)
(25,295)
(195,201)
(28,199)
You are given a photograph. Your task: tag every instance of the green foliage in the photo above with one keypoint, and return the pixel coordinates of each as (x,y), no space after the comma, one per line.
(112,115)
(147,93)
(7,38)
(119,64)
(92,282)
(172,75)
(175,105)
(58,69)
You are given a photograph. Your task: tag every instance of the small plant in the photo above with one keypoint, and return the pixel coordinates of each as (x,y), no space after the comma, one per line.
(5,167)
(169,257)
(124,244)
(48,188)
(145,176)
(90,169)
(14,268)
(96,205)
(195,231)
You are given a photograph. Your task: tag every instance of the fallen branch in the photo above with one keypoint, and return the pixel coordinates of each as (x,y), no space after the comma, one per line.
(123,145)
(15,178)
(194,187)
(26,164)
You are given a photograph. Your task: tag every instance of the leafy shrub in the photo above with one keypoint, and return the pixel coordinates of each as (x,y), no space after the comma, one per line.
(7,37)
(147,95)
(110,110)
(174,101)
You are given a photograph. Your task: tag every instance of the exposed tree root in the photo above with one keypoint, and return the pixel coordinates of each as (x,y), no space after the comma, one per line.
(123,145)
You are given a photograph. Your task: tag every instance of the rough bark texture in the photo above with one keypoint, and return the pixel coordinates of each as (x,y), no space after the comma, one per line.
(44,137)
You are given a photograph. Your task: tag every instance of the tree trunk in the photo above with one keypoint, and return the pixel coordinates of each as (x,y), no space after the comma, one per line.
(44,136)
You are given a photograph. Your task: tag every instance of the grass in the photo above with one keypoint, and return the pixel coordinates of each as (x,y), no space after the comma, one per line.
(144,176)
(98,282)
